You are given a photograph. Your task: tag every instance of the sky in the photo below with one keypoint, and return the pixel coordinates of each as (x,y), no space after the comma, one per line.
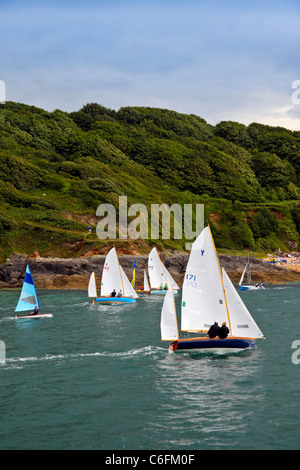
(223,60)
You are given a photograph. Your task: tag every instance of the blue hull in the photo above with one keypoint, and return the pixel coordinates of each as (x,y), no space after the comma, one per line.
(251,287)
(163,291)
(115,300)
(214,345)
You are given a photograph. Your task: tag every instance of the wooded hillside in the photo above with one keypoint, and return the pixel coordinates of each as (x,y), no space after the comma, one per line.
(57,167)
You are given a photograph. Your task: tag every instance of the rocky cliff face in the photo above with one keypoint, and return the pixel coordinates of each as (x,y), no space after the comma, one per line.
(56,273)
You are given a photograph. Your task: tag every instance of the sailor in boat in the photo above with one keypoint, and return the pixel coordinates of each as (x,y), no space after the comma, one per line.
(113,293)
(166,287)
(223,331)
(119,294)
(214,330)
(35,311)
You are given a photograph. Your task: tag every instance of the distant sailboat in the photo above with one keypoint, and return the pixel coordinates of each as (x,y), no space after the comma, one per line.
(248,269)
(208,296)
(146,287)
(113,279)
(92,290)
(29,300)
(133,275)
(159,276)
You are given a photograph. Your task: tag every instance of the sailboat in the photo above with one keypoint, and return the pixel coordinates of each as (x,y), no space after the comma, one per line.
(208,296)
(29,300)
(248,269)
(159,275)
(113,279)
(146,287)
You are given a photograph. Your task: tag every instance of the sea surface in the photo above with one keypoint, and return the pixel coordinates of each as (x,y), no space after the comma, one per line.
(98,377)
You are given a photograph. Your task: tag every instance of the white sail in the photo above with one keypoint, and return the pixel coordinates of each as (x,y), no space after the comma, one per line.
(170,281)
(248,268)
(92,290)
(158,273)
(241,321)
(128,290)
(242,276)
(155,271)
(146,283)
(203,299)
(111,275)
(168,322)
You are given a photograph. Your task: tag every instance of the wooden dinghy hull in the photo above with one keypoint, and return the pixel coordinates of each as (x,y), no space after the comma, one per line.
(213,345)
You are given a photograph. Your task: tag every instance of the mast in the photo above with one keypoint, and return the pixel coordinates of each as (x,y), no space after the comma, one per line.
(226,303)
(123,290)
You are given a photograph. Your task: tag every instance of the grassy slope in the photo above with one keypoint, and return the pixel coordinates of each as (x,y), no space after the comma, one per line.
(56,168)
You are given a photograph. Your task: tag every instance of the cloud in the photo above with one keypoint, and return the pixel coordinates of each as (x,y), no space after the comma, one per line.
(220,60)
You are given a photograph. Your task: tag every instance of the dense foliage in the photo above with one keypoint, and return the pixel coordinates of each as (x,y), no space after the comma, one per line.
(56,168)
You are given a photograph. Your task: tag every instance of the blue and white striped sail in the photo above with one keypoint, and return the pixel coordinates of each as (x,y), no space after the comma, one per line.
(28,298)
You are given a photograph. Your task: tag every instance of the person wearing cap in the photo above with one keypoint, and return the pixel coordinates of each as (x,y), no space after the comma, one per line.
(223,331)
(214,330)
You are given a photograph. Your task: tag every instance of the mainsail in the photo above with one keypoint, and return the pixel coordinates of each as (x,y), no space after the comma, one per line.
(158,273)
(28,298)
(203,298)
(114,278)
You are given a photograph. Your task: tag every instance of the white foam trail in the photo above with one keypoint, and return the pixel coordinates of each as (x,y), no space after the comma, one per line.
(147,350)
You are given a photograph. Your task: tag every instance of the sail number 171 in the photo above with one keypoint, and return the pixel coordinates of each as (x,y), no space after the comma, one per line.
(191,278)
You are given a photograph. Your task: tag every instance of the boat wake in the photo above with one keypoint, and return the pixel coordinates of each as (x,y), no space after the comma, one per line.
(20,362)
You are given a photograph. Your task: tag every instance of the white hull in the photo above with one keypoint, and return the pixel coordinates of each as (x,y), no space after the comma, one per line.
(251,287)
(35,317)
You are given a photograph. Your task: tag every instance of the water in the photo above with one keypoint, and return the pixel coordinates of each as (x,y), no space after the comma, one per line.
(98,377)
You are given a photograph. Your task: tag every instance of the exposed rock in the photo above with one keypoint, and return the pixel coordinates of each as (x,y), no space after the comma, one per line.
(74,273)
